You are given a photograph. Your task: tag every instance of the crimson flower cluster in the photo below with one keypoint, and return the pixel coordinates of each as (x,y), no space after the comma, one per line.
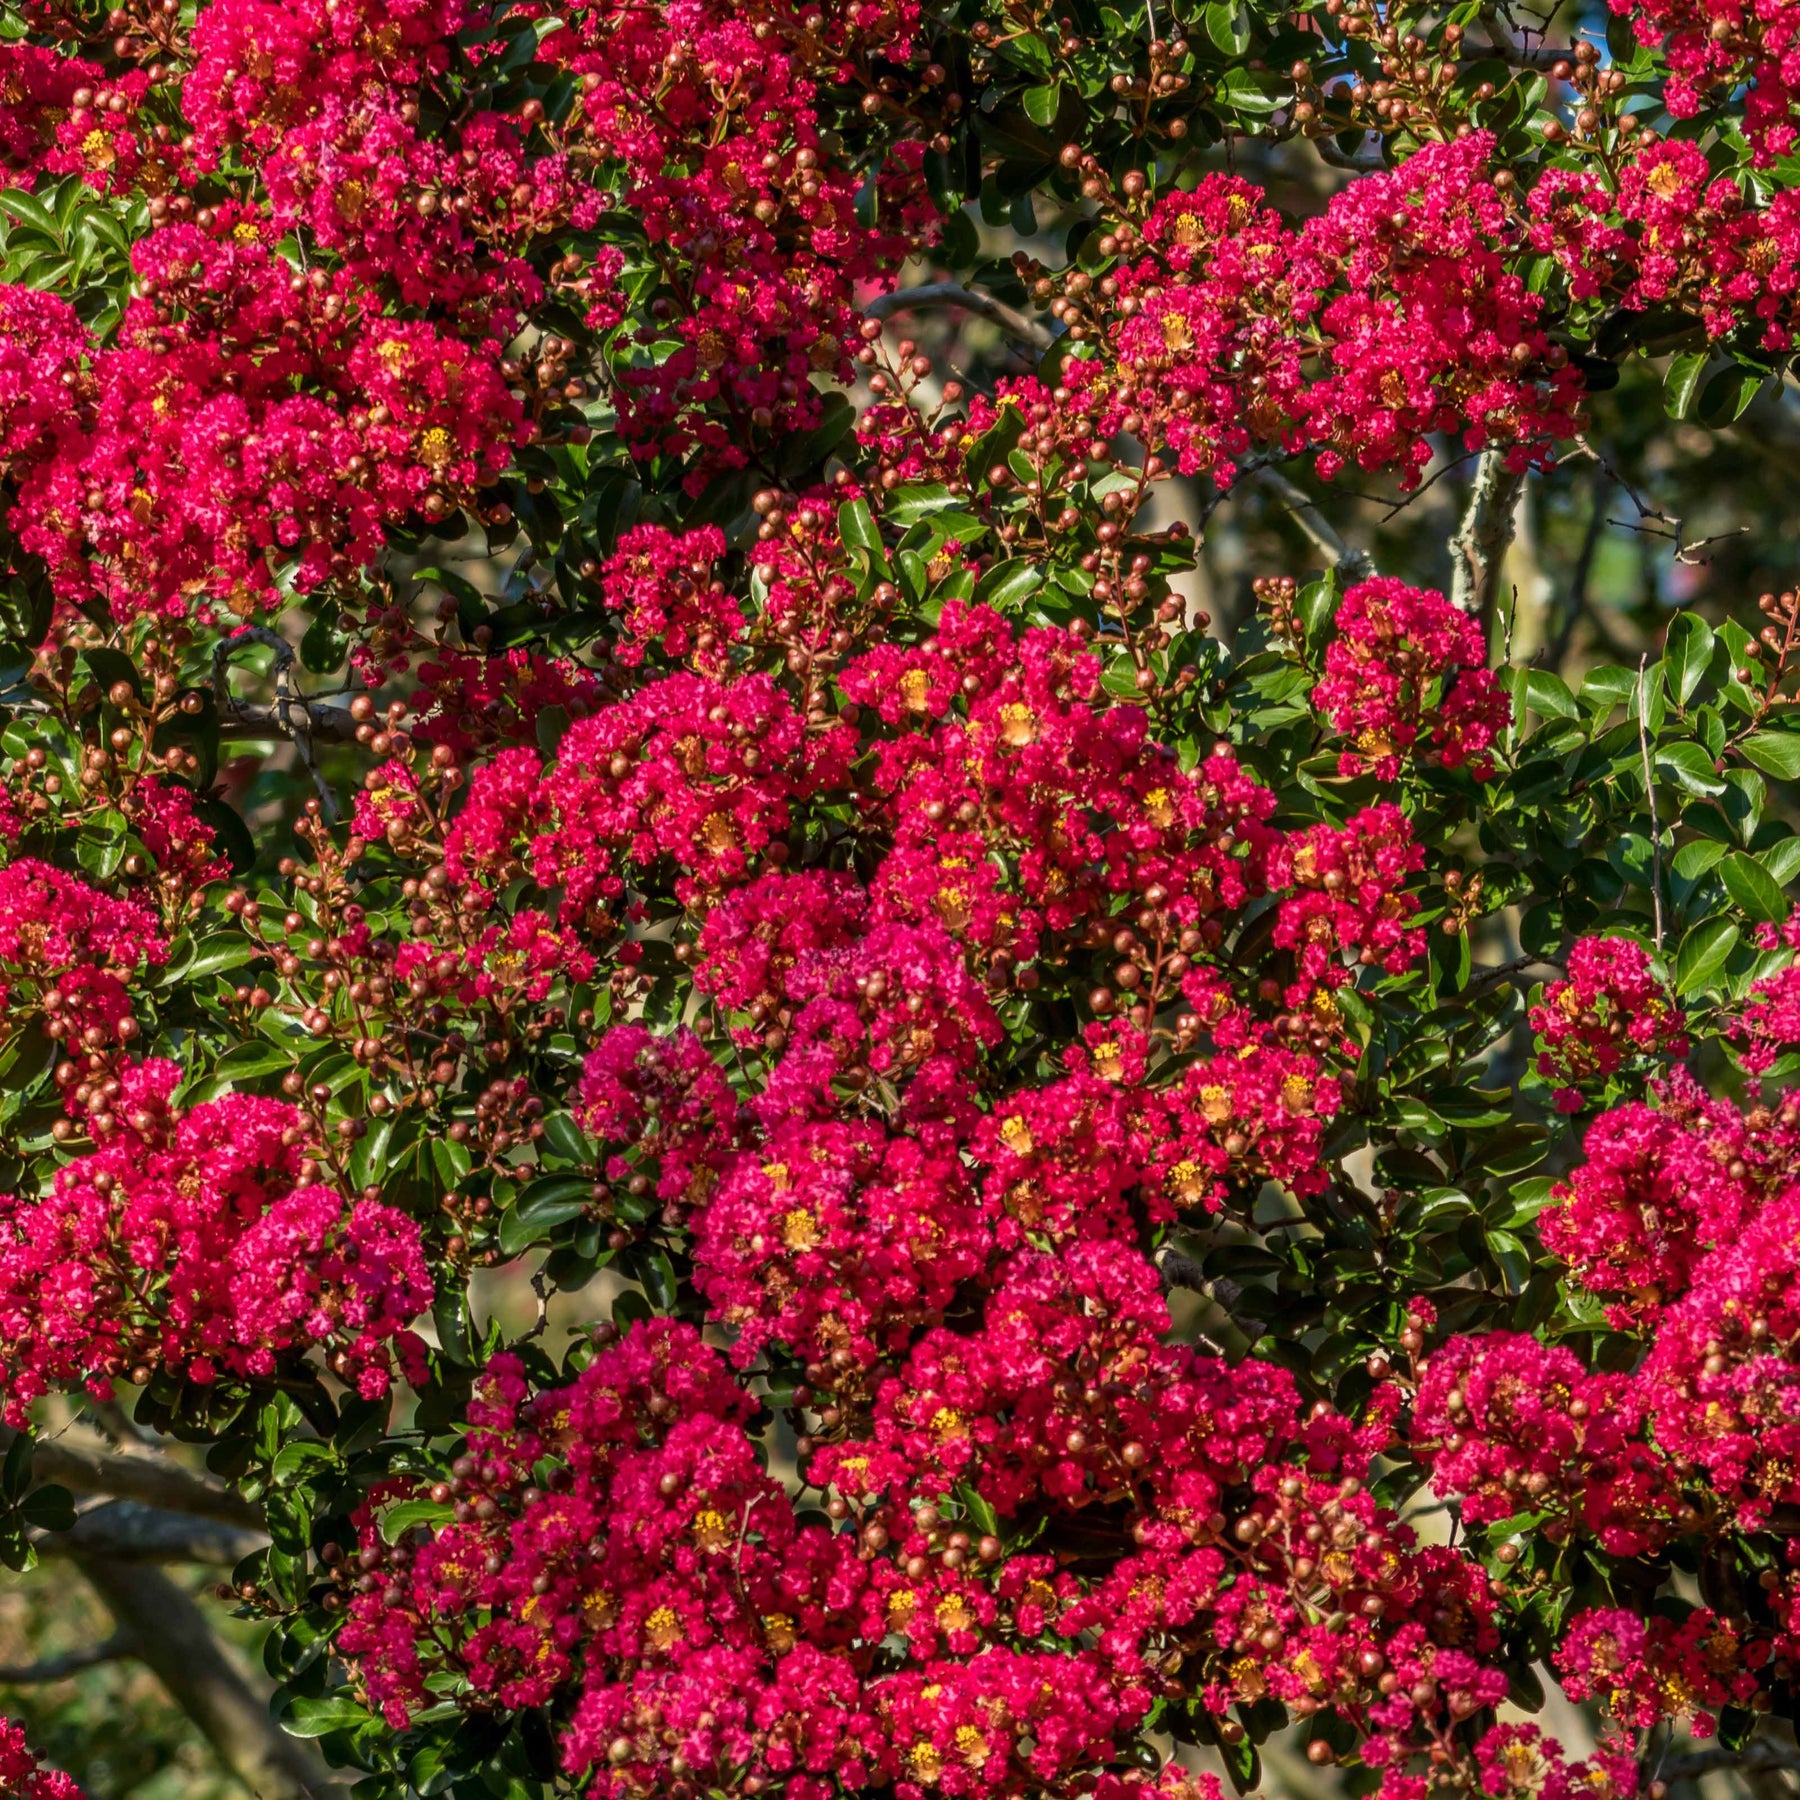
(23,1776)
(1389,317)
(201,1242)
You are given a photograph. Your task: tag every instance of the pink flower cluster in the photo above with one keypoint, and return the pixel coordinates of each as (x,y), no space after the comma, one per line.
(23,1777)
(1513,1426)
(617,1539)
(1767,1025)
(689,772)
(1517,1762)
(739,185)
(240,422)
(201,1243)
(1711,49)
(1391,316)
(665,1577)
(63,115)
(1685,1221)
(68,952)
(1644,1669)
(1249,1115)
(1661,1190)
(474,702)
(1021,800)
(1406,674)
(662,584)
(1613,1005)
(1675,235)
(1351,901)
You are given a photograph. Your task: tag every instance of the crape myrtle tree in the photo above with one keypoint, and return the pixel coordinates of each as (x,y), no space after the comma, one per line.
(1133,1190)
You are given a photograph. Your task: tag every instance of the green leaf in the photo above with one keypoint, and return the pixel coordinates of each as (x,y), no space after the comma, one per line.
(546,1204)
(565,1139)
(548,732)
(1687,653)
(48,1508)
(219,955)
(1523,1202)
(1042,103)
(1681,382)
(1753,888)
(1549,696)
(980,1512)
(241,1063)
(1228,25)
(857,527)
(1688,766)
(398,1520)
(1693,860)
(1242,1764)
(915,500)
(1007,583)
(23,1055)
(1727,395)
(15,1472)
(1776,753)
(100,844)
(302,1717)
(1704,952)
(110,667)
(29,210)
(1513,1258)
(1782,859)
(325,643)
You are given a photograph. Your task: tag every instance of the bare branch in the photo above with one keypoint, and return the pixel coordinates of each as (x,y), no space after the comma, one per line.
(1481,979)
(135,1533)
(1653,522)
(71,1662)
(1515,55)
(1479,546)
(1352,564)
(1761,1756)
(252,719)
(177,1645)
(156,1481)
(939,295)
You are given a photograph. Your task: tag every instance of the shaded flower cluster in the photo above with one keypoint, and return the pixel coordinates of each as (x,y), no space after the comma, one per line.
(203,1243)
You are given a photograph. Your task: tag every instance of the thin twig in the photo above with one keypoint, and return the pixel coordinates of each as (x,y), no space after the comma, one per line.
(1553,654)
(540,1286)
(1397,507)
(1649,518)
(1516,55)
(938,295)
(1352,564)
(1650,799)
(1482,979)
